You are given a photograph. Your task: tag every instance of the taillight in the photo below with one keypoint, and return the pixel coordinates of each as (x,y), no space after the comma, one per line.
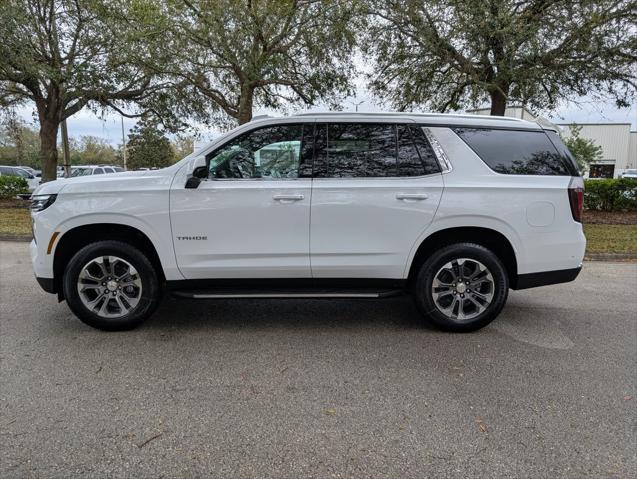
(576,197)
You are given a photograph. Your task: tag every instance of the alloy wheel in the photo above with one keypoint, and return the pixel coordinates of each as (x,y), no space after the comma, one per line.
(109,286)
(462,289)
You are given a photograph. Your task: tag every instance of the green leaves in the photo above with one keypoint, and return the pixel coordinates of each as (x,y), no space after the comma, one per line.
(230,57)
(456,53)
(12,186)
(148,147)
(584,151)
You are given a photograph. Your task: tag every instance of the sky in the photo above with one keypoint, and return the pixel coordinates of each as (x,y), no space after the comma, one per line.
(109,126)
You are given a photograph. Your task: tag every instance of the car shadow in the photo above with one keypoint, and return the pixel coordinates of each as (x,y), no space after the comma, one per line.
(297,314)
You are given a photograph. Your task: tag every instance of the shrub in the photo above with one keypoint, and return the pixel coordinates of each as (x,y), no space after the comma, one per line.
(611,194)
(12,186)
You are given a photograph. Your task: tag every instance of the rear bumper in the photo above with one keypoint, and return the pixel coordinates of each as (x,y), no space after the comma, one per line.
(544,278)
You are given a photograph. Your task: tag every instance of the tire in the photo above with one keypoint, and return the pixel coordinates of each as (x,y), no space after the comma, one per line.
(127,300)
(479,306)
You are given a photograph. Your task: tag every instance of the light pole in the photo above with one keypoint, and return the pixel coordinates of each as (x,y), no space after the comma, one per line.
(356,104)
(123,144)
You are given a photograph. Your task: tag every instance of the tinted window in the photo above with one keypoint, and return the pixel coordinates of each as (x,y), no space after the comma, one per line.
(270,153)
(569,160)
(359,150)
(98,171)
(415,155)
(516,152)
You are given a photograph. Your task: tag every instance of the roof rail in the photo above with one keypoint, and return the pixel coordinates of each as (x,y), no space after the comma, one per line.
(424,115)
(261,117)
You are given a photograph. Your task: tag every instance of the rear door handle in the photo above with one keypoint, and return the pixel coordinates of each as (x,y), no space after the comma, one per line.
(288,197)
(412,197)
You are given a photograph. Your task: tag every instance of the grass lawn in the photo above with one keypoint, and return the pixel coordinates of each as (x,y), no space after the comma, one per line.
(611,238)
(15,221)
(602,238)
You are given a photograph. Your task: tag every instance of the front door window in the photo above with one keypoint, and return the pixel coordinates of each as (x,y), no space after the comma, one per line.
(267,153)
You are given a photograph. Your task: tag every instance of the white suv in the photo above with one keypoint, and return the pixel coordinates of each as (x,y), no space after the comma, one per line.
(452,209)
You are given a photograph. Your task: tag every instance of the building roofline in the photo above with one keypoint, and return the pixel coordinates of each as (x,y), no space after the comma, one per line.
(593,124)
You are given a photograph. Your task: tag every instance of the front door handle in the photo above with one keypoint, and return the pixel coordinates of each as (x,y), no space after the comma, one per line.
(288,197)
(412,197)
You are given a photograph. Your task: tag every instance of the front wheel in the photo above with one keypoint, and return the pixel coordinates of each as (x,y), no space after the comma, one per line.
(462,287)
(111,285)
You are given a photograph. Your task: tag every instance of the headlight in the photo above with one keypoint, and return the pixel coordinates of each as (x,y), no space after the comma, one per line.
(42,202)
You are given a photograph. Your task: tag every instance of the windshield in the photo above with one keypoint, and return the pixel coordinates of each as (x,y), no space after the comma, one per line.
(23,173)
(80,172)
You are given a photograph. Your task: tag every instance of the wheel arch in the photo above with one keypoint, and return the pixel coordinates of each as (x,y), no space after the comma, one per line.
(491,239)
(76,238)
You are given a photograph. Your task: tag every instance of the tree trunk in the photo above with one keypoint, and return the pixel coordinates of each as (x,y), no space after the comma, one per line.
(498,102)
(49,149)
(245,105)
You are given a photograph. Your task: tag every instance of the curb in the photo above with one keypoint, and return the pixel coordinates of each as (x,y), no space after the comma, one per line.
(18,238)
(611,257)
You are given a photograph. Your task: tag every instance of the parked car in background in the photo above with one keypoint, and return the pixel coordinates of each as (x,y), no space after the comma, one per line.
(451,209)
(629,174)
(88,170)
(30,170)
(32,181)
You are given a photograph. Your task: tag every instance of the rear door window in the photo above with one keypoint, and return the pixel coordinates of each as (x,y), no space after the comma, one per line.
(371,150)
(357,150)
(516,152)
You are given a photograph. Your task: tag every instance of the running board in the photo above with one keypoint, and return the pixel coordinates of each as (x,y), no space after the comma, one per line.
(287,295)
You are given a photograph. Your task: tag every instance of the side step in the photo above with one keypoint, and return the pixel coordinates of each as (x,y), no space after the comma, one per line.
(287,294)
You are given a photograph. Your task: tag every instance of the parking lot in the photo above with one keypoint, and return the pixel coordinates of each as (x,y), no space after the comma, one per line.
(321,389)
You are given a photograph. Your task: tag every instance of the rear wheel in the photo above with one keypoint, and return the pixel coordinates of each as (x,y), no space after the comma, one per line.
(111,285)
(462,287)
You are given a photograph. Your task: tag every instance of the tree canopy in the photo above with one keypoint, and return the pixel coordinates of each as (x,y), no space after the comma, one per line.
(230,56)
(148,147)
(64,55)
(448,54)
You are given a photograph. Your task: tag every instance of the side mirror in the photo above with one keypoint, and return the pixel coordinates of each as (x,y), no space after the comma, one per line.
(198,171)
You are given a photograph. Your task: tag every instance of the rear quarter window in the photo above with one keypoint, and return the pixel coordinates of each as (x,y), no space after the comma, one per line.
(516,152)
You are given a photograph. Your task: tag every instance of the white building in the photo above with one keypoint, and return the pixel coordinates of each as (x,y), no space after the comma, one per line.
(619,147)
(619,144)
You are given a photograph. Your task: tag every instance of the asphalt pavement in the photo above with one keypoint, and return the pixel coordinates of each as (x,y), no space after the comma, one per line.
(297,388)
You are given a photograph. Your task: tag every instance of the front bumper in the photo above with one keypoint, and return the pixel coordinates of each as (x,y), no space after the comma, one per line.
(42,266)
(47,284)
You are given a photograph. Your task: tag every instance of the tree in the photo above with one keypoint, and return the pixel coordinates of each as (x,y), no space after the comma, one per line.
(63,55)
(230,55)
(584,150)
(91,150)
(452,53)
(148,147)
(19,144)
(183,146)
